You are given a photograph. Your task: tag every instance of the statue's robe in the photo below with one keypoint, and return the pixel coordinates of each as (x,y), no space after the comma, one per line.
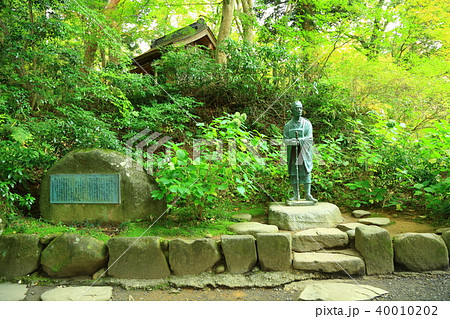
(299,156)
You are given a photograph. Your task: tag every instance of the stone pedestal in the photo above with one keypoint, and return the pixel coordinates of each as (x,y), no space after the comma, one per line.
(301,202)
(321,215)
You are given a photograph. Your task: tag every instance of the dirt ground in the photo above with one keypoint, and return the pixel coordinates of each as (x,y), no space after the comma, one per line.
(401,222)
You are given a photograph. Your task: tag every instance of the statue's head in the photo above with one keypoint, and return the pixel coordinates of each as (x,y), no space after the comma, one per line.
(296,108)
(296,104)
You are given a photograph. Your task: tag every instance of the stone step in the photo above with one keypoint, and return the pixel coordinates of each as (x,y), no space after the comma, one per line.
(83,293)
(349,226)
(12,292)
(330,262)
(252,228)
(377,221)
(242,216)
(304,217)
(339,291)
(359,213)
(318,238)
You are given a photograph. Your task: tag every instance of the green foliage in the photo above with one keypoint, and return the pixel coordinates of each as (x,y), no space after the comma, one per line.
(331,165)
(73,127)
(183,226)
(39,227)
(64,84)
(386,164)
(433,185)
(328,105)
(195,184)
(173,116)
(21,154)
(414,96)
(11,201)
(29,148)
(217,170)
(253,75)
(366,193)
(50,101)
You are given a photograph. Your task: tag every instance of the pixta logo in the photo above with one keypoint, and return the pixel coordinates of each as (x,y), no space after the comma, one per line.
(142,146)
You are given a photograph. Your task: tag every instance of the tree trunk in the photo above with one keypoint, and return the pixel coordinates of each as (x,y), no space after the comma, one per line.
(225,28)
(110,7)
(247,21)
(372,45)
(89,53)
(33,98)
(103,57)
(92,45)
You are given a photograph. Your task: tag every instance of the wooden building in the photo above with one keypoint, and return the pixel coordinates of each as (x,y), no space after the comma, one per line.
(195,34)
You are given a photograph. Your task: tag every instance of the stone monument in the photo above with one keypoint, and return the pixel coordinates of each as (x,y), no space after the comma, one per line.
(297,213)
(100,186)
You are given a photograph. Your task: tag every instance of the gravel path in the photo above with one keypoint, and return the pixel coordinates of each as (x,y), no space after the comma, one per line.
(401,286)
(414,286)
(404,286)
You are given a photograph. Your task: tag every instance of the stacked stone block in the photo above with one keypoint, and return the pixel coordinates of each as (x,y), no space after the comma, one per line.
(420,252)
(19,255)
(70,255)
(375,245)
(190,257)
(137,258)
(274,251)
(240,253)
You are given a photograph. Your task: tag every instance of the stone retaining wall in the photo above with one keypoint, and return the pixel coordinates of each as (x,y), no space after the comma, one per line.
(70,255)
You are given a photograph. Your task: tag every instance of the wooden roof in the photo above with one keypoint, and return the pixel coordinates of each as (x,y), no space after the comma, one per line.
(197,33)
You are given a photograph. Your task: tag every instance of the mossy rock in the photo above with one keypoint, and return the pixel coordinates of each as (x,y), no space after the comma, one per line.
(19,255)
(420,252)
(70,255)
(446,238)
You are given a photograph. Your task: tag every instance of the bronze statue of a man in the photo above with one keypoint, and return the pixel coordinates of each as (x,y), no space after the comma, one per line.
(298,137)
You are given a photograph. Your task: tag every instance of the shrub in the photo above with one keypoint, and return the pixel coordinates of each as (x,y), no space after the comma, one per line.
(22,157)
(227,162)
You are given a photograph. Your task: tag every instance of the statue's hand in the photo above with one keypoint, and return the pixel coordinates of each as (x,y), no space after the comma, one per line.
(291,141)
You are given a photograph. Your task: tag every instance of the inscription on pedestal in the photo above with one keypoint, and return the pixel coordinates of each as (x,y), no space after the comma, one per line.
(85,189)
